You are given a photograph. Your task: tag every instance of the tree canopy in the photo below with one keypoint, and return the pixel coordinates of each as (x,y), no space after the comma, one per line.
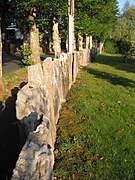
(95,17)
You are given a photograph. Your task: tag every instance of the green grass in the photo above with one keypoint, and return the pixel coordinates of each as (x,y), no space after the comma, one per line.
(96,130)
(10,81)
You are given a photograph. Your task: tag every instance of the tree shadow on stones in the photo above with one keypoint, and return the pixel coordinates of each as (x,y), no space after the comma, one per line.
(117,62)
(111,78)
(10,140)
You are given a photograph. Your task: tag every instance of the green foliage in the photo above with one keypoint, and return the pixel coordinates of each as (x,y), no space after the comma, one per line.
(95,17)
(124,47)
(97,123)
(110,46)
(123,31)
(26,52)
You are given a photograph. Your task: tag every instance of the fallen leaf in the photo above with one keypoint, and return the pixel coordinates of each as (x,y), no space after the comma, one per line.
(119,102)
(119,133)
(103,104)
(102,158)
(131,125)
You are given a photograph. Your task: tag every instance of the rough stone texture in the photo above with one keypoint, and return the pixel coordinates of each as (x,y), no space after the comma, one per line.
(101,47)
(65,76)
(34,44)
(87,42)
(80,41)
(37,107)
(70,72)
(75,64)
(90,42)
(32,109)
(56,39)
(86,57)
(81,58)
(54,93)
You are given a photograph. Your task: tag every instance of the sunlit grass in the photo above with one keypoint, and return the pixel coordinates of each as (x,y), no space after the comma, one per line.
(96,129)
(11,80)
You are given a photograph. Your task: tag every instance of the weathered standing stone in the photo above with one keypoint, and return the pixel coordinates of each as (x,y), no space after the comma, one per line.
(58,77)
(52,73)
(81,58)
(37,107)
(56,39)
(70,72)
(32,107)
(34,44)
(87,42)
(85,57)
(101,47)
(65,78)
(78,60)
(80,41)
(65,75)
(91,42)
(74,67)
(76,64)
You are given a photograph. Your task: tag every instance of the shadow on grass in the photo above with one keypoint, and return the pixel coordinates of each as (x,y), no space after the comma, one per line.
(10,140)
(111,78)
(117,62)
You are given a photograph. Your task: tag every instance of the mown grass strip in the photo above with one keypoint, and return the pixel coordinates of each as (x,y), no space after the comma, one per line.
(96,130)
(11,80)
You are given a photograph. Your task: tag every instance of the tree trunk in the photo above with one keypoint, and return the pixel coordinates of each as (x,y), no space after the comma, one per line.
(101,47)
(80,41)
(34,44)
(0,50)
(56,39)
(34,38)
(90,42)
(87,42)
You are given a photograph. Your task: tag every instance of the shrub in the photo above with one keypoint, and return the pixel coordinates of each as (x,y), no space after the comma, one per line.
(26,52)
(111,47)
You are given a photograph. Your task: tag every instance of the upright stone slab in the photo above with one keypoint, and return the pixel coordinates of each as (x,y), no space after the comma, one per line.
(34,44)
(91,42)
(85,57)
(36,159)
(75,64)
(37,106)
(65,76)
(58,77)
(70,72)
(78,60)
(54,96)
(81,57)
(87,42)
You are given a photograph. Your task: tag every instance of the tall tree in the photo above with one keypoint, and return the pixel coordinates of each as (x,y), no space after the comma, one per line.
(123,30)
(27,14)
(95,17)
(40,14)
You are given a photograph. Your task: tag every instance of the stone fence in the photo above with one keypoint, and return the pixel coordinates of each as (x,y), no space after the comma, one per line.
(37,107)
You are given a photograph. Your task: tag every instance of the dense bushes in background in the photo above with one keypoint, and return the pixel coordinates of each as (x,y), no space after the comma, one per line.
(121,46)
(110,46)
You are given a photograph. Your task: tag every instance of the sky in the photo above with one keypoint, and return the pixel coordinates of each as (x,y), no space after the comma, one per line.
(122,2)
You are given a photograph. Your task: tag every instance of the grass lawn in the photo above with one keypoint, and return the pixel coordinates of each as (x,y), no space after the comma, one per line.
(11,81)
(96,130)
